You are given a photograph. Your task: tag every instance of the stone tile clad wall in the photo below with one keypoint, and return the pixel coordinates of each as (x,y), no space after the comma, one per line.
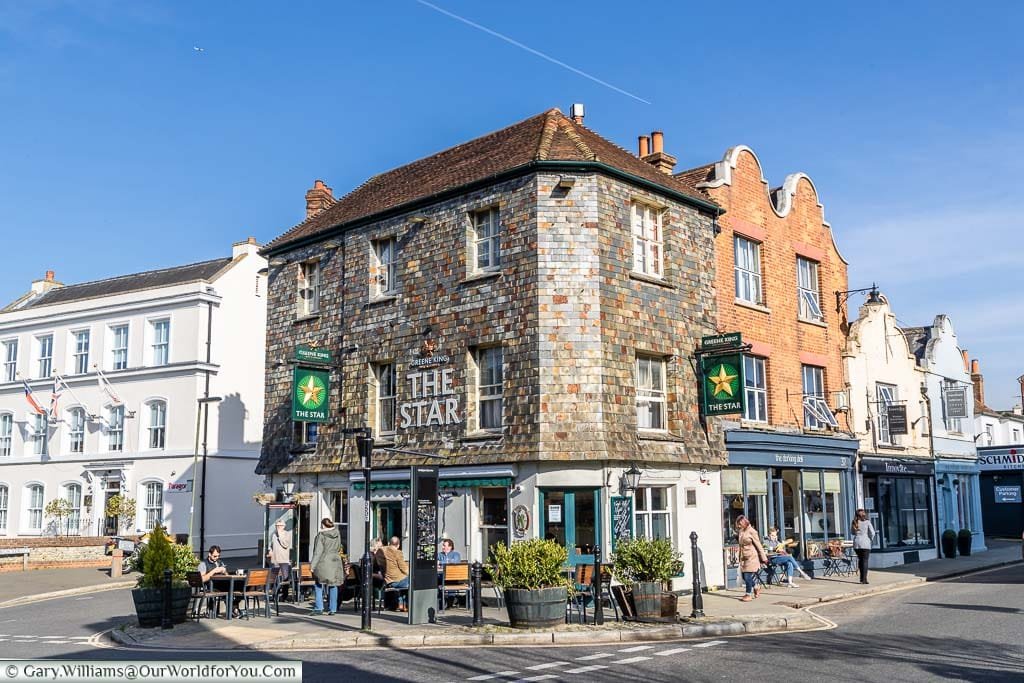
(564,309)
(775,330)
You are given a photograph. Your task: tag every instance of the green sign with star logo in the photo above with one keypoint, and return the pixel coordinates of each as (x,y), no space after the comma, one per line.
(310,395)
(722,384)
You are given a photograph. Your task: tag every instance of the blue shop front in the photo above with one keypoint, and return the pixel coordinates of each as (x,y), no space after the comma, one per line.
(958,489)
(801,484)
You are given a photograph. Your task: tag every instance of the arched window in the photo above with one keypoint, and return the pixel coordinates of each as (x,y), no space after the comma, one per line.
(157,424)
(34,507)
(3,507)
(76,430)
(6,433)
(154,506)
(73,494)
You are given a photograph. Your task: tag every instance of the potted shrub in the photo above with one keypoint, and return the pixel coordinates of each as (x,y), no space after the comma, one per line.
(532,577)
(963,542)
(949,544)
(647,566)
(159,555)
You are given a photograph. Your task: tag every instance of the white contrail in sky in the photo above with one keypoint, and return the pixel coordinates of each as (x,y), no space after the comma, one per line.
(529,49)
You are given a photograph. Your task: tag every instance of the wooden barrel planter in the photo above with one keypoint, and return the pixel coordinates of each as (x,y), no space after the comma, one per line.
(647,597)
(669,605)
(539,608)
(149,605)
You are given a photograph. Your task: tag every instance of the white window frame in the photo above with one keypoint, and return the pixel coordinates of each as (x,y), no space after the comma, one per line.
(808,290)
(5,499)
(157,427)
(385,266)
(40,431)
(160,346)
(44,356)
(487,239)
(309,288)
(755,389)
(817,414)
(387,396)
(651,393)
(305,434)
(81,340)
(119,346)
(6,434)
(74,519)
(34,507)
(648,240)
(490,365)
(76,429)
(152,504)
(951,424)
(1016,436)
(10,360)
(748,271)
(885,395)
(643,518)
(115,428)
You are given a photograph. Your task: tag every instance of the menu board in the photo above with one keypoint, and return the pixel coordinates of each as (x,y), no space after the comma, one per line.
(622,519)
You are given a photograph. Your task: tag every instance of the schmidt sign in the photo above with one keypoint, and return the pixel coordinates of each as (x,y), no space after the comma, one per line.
(1011,459)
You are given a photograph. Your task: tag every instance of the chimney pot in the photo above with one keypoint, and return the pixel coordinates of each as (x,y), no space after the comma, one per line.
(657,157)
(967,363)
(644,146)
(658,142)
(975,367)
(49,276)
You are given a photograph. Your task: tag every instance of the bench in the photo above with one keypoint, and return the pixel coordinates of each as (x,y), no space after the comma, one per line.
(15,552)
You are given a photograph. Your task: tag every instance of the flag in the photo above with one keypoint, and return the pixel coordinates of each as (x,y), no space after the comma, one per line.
(36,408)
(105,388)
(55,395)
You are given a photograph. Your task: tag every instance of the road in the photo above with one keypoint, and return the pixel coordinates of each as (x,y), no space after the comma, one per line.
(969,629)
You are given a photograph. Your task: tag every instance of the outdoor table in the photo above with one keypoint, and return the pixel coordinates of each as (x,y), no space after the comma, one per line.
(228,580)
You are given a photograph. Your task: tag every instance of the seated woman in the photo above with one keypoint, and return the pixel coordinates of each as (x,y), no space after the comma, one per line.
(781,558)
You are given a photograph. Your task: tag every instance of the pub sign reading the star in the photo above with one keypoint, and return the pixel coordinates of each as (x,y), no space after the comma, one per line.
(722,384)
(310,392)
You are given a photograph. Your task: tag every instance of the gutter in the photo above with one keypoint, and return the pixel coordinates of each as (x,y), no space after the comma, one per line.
(533,166)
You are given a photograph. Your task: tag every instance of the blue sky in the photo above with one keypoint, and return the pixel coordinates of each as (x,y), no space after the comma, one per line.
(123,148)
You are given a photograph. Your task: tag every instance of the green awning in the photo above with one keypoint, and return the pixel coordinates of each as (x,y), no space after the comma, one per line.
(403,484)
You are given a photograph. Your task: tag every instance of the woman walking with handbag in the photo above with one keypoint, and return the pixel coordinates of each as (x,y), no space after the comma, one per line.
(863,535)
(751,555)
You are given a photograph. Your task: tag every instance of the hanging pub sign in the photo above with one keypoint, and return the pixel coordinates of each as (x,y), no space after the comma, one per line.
(897,415)
(310,390)
(722,384)
(721,342)
(308,354)
(956,402)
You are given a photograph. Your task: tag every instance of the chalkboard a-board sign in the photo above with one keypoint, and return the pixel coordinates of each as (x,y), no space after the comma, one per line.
(622,519)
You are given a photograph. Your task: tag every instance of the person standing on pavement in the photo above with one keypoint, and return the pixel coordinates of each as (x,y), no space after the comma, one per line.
(863,535)
(751,555)
(328,569)
(280,555)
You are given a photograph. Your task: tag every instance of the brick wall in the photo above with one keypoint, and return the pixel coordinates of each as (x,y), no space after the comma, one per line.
(51,552)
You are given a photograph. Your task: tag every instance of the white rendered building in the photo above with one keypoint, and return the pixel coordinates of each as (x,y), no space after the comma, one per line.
(163,340)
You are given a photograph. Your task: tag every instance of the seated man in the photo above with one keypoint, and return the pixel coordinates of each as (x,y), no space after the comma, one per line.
(780,558)
(213,566)
(396,573)
(448,554)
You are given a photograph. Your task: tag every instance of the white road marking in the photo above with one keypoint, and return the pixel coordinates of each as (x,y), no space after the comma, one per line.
(57,642)
(487,677)
(674,651)
(79,637)
(638,648)
(548,665)
(632,660)
(585,669)
(599,655)
(86,598)
(711,644)
(545,677)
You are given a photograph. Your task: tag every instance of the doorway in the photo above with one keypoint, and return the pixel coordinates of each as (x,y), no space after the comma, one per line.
(387,520)
(111,523)
(571,518)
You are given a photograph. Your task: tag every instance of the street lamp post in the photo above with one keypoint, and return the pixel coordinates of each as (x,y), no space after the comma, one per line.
(364,444)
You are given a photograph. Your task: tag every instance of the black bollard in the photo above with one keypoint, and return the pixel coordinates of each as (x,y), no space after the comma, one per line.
(367,590)
(476,574)
(595,587)
(698,599)
(165,618)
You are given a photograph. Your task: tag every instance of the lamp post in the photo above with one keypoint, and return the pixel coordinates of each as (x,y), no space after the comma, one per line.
(202,422)
(364,444)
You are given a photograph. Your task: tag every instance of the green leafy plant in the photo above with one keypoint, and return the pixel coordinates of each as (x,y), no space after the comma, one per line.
(642,560)
(159,555)
(948,535)
(58,509)
(123,508)
(529,565)
(964,533)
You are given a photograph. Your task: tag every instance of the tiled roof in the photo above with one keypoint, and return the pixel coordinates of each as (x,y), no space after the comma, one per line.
(917,339)
(693,176)
(126,283)
(550,136)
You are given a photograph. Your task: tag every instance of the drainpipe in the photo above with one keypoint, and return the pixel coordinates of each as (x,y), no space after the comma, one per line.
(206,425)
(931,450)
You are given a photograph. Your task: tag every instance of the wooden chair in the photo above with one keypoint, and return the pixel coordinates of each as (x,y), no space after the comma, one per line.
(306,580)
(455,579)
(583,579)
(202,598)
(258,583)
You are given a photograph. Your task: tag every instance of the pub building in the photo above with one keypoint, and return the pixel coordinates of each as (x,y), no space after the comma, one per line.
(790,452)
(520,311)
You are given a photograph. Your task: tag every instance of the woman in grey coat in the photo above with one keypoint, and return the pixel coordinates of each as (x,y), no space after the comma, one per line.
(863,535)
(328,569)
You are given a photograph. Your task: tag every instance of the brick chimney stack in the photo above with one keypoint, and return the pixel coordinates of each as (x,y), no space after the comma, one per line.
(979,383)
(46,284)
(318,198)
(658,158)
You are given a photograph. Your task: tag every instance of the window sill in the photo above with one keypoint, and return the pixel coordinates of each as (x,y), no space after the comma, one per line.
(298,450)
(481,275)
(306,318)
(483,435)
(651,279)
(816,323)
(657,435)
(753,307)
(381,299)
(754,424)
(891,447)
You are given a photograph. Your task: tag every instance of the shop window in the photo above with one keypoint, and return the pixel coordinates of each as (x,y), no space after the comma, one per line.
(904,507)
(834,513)
(338,505)
(755,387)
(493,518)
(814,506)
(652,512)
(732,502)
(757,500)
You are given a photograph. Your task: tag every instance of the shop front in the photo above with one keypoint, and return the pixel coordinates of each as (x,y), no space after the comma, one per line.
(802,485)
(958,494)
(1001,484)
(899,499)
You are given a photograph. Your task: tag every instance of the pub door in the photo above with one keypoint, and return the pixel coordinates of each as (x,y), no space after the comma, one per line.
(387,520)
(572,518)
